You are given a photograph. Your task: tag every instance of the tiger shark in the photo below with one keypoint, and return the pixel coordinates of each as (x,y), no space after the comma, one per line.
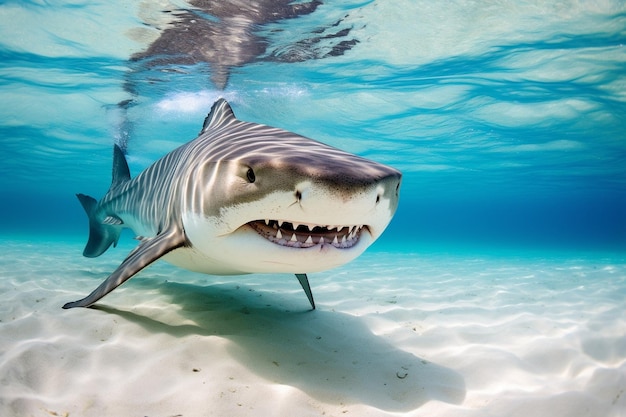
(242,198)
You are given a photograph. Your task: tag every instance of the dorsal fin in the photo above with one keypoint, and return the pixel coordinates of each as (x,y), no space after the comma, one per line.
(121,173)
(221,113)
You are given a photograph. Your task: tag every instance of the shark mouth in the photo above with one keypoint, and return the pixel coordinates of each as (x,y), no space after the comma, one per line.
(302,235)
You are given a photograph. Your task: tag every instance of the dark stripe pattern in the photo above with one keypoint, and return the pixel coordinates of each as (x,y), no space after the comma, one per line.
(182,179)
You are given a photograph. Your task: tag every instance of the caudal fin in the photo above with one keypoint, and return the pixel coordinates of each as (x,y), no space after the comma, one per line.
(101,236)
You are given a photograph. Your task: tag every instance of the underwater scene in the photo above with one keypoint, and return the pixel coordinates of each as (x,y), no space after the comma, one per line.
(460,236)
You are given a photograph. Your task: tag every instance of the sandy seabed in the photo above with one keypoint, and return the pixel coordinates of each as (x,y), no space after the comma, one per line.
(394,334)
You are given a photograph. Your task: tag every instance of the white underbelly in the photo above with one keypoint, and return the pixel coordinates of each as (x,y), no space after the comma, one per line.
(194,260)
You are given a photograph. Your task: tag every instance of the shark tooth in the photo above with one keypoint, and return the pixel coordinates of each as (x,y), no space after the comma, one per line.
(279,235)
(294,238)
(335,241)
(309,240)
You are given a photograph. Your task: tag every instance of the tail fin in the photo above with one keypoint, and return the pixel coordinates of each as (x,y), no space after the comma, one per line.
(101,236)
(104,233)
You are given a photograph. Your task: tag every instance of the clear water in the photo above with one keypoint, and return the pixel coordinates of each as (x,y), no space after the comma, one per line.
(498,289)
(508,119)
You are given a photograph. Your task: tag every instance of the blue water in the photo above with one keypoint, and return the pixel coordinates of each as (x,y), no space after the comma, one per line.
(498,288)
(507,120)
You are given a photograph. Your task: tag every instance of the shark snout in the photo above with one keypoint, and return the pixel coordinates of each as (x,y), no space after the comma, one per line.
(363,195)
(351,202)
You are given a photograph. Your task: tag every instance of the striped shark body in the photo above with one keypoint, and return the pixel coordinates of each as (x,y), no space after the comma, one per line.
(243,198)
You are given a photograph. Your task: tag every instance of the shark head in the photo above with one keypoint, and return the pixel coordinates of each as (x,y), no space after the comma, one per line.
(263,199)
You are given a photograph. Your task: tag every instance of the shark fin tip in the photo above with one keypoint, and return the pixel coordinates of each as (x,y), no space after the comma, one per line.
(120,171)
(304,282)
(221,113)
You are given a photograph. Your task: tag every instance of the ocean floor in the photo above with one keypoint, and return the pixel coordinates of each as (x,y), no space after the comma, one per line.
(394,334)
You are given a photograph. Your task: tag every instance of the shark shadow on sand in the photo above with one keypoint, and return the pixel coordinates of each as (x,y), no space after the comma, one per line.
(331,356)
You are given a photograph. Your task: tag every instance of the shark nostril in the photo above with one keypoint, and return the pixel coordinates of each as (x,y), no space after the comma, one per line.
(380,192)
(298,195)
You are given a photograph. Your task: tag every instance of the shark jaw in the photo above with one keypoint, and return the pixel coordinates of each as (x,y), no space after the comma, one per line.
(300,235)
(273,234)
(261,246)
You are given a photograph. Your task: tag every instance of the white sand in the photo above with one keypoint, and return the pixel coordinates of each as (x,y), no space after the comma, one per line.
(394,334)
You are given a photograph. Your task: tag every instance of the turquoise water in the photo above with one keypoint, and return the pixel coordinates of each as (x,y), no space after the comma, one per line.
(498,288)
(507,119)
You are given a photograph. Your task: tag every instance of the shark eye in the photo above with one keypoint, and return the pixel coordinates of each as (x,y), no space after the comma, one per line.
(250,175)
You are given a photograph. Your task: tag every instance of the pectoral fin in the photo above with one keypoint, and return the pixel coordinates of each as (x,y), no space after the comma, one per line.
(304,281)
(148,251)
